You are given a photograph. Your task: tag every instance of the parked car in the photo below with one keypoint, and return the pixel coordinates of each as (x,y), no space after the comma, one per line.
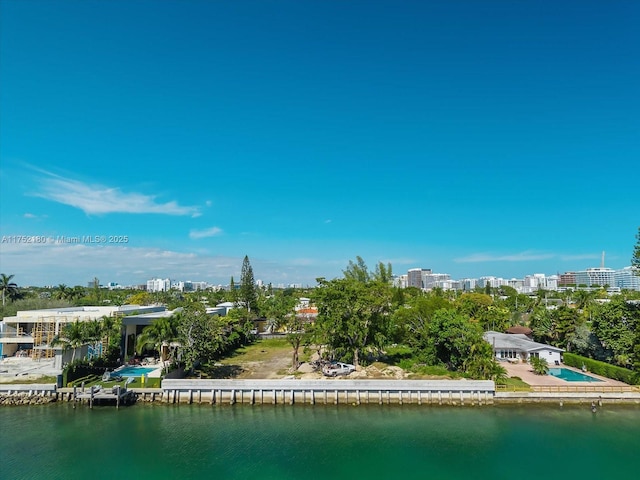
(337,368)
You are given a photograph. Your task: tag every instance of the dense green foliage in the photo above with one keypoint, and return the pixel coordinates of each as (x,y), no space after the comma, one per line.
(9,288)
(540,366)
(635,258)
(602,368)
(362,317)
(353,317)
(247,294)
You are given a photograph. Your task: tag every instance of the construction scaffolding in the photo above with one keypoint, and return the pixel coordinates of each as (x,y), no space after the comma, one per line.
(43,334)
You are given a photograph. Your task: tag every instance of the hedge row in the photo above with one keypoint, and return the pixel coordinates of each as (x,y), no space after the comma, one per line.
(77,371)
(602,368)
(82,368)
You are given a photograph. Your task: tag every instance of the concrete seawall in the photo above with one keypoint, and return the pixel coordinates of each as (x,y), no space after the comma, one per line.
(502,398)
(342,391)
(334,392)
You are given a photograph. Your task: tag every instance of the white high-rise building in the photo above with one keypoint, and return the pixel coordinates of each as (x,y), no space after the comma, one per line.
(627,279)
(431,280)
(415,277)
(493,282)
(596,277)
(468,284)
(401,281)
(158,285)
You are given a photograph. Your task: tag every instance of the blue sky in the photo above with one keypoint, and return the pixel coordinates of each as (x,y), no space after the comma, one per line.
(473,138)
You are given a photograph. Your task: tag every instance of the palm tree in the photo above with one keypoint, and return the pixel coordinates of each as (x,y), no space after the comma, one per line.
(72,336)
(109,327)
(159,335)
(8,288)
(62,292)
(540,366)
(499,373)
(583,299)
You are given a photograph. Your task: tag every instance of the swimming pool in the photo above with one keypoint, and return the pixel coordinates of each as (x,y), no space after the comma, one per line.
(133,371)
(571,376)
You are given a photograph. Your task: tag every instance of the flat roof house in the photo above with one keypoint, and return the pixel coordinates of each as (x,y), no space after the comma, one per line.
(30,332)
(520,348)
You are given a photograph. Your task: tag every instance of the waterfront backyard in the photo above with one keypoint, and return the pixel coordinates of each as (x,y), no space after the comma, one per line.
(271,359)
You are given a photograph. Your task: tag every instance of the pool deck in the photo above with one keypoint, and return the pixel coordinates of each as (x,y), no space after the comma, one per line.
(525,372)
(155,373)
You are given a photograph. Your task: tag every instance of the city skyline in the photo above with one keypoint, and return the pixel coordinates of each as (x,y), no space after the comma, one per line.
(146,139)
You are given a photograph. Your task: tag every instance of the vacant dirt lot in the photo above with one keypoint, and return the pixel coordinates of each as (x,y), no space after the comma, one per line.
(272,359)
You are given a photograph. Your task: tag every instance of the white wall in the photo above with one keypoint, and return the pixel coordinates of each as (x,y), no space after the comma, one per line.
(550,356)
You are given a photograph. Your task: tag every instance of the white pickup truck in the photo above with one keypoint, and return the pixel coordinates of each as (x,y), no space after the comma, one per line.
(337,368)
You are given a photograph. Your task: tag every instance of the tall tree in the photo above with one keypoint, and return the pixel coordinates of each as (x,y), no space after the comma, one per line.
(296,324)
(357,271)
(248,295)
(352,316)
(62,292)
(72,336)
(635,259)
(233,294)
(9,288)
(615,323)
(201,336)
(410,321)
(383,273)
(110,330)
(453,339)
(159,336)
(275,308)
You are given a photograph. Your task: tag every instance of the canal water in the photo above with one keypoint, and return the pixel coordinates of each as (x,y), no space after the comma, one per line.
(318,442)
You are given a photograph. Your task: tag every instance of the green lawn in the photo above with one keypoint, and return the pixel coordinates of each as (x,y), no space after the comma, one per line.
(257,351)
(513,384)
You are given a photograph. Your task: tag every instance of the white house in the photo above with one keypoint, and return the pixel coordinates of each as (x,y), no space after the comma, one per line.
(518,347)
(30,332)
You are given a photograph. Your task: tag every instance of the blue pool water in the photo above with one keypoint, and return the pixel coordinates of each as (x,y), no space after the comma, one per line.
(571,376)
(133,371)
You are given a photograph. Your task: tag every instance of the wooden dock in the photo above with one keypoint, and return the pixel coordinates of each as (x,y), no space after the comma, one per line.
(105,396)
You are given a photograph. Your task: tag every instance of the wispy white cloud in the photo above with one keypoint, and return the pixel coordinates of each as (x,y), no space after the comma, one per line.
(96,199)
(587,256)
(33,216)
(399,261)
(76,264)
(327,221)
(209,232)
(304,262)
(516,257)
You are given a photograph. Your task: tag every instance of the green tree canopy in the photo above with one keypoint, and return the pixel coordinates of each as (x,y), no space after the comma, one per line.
(615,324)
(72,336)
(453,337)
(357,271)
(9,288)
(247,295)
(635,258)
(353,316)
(159,336)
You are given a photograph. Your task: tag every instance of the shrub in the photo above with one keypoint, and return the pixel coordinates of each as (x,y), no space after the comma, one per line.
(602,368)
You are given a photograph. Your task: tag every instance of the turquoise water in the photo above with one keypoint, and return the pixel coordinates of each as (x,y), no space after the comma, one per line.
(318,442)
(571,376)
(134,371)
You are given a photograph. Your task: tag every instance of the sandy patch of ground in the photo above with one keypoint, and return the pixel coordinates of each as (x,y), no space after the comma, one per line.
(271,363)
